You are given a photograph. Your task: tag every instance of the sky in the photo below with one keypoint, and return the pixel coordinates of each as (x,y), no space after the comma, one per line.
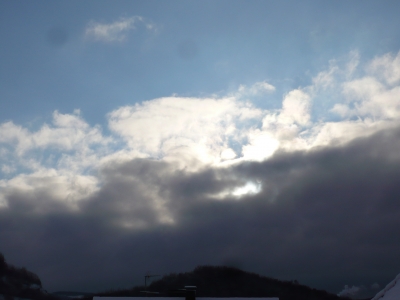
(143,137)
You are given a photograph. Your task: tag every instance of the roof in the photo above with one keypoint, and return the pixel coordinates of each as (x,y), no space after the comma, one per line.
(391,291)
(178,298)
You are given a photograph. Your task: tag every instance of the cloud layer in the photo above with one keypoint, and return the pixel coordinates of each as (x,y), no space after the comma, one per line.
(282,192)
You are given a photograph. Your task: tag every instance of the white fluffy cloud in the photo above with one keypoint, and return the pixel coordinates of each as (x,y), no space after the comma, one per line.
(67,132)
(175,127)
(55,158)
(295,109)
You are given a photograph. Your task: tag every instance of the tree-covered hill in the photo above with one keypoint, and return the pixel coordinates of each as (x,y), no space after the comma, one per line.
(229,282)
(20,283)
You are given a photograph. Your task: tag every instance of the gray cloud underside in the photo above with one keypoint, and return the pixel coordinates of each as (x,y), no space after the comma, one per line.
(326,217)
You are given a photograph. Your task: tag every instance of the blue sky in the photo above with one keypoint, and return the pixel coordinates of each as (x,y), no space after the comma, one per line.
(120,118)
(235,43)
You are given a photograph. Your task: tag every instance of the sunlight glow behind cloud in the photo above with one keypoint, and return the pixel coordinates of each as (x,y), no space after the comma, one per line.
(248,188)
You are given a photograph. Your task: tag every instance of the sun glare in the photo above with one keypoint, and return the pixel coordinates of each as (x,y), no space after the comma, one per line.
(250,188)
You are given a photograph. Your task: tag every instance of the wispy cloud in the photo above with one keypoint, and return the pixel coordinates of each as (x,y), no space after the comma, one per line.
(359,292)
(258,88)
(117,31)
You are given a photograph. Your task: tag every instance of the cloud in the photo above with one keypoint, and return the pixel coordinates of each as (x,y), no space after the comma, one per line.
(331,211)
(349,291)
(71,145)
(68,132)
(194,133)
(118,30)
(367,97)
(386,67)
(258,88)
(215,179)
(40,190)
(174,128)
(375,286)
(295,108)
(359,292)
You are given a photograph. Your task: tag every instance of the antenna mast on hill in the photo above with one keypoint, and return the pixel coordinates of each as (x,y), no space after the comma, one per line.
(145,281)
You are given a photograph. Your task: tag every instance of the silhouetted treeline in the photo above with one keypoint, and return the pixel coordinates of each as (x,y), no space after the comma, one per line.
(229,282)
(21,283)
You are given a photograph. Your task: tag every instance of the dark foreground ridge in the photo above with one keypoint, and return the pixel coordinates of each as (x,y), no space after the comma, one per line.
(20,283)
(228,282)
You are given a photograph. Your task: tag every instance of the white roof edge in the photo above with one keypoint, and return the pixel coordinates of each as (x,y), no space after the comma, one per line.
(390,285)
(182,298)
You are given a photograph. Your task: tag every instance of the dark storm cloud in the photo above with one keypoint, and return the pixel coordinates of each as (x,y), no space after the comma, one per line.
(327,218)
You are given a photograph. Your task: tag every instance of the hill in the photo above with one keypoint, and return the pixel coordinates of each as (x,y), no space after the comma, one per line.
(229,282)
(20,283)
